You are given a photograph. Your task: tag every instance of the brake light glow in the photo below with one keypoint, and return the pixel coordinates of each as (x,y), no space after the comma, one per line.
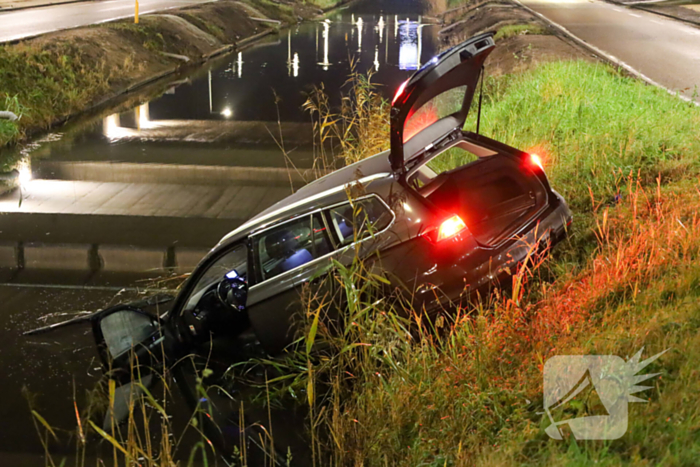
(399,92)
(537,160)
(449,228)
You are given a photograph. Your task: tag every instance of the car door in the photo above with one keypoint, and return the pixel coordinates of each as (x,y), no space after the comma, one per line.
(339,231)
(285,257)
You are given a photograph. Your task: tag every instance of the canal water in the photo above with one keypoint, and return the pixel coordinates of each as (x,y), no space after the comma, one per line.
(109,204)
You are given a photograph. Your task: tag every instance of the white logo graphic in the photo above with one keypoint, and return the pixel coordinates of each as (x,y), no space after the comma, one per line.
(590,393)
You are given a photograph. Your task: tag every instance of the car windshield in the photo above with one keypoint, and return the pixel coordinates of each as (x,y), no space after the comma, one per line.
(235,259)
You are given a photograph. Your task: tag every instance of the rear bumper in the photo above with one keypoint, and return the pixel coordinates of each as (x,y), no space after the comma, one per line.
(490,268)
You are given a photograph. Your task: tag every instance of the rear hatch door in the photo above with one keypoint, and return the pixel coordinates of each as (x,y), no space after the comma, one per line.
(435,101)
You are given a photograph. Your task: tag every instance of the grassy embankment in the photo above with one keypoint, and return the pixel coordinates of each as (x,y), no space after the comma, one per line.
(51,78)
(625,155)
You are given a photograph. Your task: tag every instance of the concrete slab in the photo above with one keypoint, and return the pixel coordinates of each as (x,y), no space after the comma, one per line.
(141,199)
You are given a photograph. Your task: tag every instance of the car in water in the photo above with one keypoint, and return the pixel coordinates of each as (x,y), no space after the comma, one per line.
(445,234)
(454,232)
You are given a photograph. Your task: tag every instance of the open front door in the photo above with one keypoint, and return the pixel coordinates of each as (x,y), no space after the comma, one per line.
(436,99)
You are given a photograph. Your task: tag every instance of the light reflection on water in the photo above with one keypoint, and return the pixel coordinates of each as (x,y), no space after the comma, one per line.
(290,65)
(312,54)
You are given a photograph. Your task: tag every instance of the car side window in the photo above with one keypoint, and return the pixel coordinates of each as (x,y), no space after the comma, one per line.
(291,245)
(359,219)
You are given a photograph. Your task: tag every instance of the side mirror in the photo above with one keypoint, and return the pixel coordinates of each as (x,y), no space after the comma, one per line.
(233,291)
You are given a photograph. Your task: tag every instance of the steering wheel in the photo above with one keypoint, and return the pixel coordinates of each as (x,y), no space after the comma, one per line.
(232,292)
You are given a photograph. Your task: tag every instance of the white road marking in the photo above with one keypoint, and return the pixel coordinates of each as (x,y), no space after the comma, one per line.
(636,16)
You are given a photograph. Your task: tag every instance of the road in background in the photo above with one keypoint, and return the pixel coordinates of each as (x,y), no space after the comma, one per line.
(35,21)
(665,50)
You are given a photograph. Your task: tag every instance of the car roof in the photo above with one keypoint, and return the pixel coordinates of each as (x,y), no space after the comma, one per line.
(324,191)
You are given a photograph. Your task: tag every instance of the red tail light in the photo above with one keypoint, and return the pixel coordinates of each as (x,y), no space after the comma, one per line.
(449,228)
(537,161)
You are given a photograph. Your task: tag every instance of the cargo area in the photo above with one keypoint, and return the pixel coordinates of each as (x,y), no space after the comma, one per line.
(495,196)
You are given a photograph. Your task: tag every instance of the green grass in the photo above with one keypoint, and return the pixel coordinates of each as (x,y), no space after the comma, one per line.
(518,30)
(146,32)
(271,9)
(326,4)
(47,83)
(592,126)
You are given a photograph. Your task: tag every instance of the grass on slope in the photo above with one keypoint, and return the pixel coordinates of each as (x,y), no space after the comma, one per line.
(592,127)
(49,83)
(473,394)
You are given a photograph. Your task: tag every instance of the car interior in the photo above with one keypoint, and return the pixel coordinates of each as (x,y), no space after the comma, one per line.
(291,245)
(365,213)
(493,195)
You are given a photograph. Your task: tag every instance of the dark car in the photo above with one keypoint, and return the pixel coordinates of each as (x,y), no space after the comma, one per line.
(453,232)
(443,235)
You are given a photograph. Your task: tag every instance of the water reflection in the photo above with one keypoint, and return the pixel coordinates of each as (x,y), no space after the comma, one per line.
(411,43)
(308,55)
(326,32)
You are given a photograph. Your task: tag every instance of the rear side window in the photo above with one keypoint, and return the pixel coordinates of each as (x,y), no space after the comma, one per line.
(357,220)
(291,245)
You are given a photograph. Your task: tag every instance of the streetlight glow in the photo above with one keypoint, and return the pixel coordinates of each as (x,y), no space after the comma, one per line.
(227,112)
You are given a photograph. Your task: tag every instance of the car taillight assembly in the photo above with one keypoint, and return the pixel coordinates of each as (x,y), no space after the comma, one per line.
(536,161)
(449,228)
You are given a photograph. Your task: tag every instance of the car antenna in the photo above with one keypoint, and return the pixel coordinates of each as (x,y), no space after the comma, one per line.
(481,95)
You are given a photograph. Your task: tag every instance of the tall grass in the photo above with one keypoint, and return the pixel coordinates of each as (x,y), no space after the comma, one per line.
(518,30)
(359,129)
(471,394)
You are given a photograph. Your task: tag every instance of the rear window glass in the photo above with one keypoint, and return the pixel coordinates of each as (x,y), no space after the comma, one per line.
(291,245)
(357,220)
(451,159)
(440,106)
